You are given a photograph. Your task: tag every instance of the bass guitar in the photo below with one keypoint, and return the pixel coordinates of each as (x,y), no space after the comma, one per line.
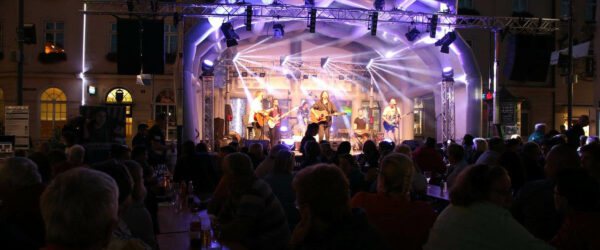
(395,120)
(323,116)
(272,121)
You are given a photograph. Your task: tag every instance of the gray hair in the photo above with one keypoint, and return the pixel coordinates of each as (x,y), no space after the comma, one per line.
(480,144)
(539,126)
(19,172)
(79,208)
(76,153)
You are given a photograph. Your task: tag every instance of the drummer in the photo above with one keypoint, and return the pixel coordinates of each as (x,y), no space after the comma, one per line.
(361,126)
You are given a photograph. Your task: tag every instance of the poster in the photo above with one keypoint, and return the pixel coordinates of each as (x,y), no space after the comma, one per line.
(16,123)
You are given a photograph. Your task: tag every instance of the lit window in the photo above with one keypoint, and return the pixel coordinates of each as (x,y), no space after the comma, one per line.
(113,38)
(53,111)
(465,4)
(519,5)
(55,37)
(171,39)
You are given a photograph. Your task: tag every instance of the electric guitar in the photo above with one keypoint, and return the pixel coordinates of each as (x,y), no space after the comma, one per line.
(272,121)
(394,121)
(260,117)
(322,116)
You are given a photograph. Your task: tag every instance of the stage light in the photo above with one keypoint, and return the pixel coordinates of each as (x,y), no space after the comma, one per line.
(262,74)
(283,129)
(412,34)
(249,18)
(446,41)
(448,74)
(324,62)
(310,3)
(433,26)
(230,35)
(374,18)
(278,31)
(389,54)
(305,77)
(235,58)
(283,60)
(370,63)
(313,20)
(378,4)
(207,67)
(267,2)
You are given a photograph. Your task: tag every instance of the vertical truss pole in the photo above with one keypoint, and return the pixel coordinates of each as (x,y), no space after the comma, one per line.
(570,69)
(447,92)
(495,80)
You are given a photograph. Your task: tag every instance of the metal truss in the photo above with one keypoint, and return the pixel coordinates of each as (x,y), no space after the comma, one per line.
(292,12)
(448,108)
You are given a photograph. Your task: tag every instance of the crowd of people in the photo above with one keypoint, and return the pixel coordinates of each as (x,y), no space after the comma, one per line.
(541,193)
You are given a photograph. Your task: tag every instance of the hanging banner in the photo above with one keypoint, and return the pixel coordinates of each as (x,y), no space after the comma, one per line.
(16,123)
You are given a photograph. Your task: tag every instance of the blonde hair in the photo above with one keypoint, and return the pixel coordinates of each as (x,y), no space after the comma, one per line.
(397,171)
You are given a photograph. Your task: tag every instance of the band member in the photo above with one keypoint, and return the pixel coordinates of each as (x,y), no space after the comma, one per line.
(256,107)
(360,127)
(324,104)
(391,120)
(275,133)
(303,113)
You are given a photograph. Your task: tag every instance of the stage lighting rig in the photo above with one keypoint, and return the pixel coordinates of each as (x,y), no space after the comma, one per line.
(374,18)
(249,18)
(230,35)
(313,20)
(208,67)
(412,34)
(448,74)
(446,41)
(433,26)
(278,30)
(378,4)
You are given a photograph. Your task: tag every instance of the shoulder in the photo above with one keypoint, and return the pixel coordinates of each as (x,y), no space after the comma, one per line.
(361,198)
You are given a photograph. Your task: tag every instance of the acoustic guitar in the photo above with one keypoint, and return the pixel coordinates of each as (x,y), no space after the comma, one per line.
(261,117)
(323,116)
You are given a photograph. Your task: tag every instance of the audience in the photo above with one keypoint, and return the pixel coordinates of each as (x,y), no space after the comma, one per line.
(255,151)
(468,146)
(491,156)
(268,163)
(458,163)
(75,158)
(370,156)
(137,217)
(251,216)
(576,131)
(576,196)
(590,159)
(511,161)
(356,179)
(538,135)
(312,154)
(531,156)
(403,224)
(142,135)
(480,147)
(280,179)
(477,217)
(428,158)
(80,210)
(327,221)
(311,131)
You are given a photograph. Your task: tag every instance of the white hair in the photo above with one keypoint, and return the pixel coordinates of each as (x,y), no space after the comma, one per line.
(19,172)
(539,126)
(79,208)
(480,144)
(76,154)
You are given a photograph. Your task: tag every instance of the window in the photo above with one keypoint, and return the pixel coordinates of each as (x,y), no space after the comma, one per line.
(590,11)
(113,38)
(465,4)
(122,97)
(165,104)
(519,5)
(171,39)
(55,37)
(53,111)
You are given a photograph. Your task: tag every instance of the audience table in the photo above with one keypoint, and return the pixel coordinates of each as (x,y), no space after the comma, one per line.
(434,191)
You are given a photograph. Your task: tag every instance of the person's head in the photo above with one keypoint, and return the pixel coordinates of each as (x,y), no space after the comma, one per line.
(224,151)
(480,144)
(18,172)
(395,177)
(467,140)
(361,113)
(312,129)
(123,180)
(276,103)
(138,193)
(139,153)
(80,209)
(305,104)
(143,129)
(325,95)
(532,150)
(235,145)
(322,191)
(275,150)
(260,95)
(120,152)
(312,149)
(369,148)
(386,146)
(188,148)
(403,149)
(456,153)
(392,102)
(582,140)
(100,118)
(76,154)
(255,150)
(590,159)
(584,120)
(430,142)
(496,144)
(561,157)
(513,145)
(576,192)
(540,127)
(592,140)
(549,143)
(56,157)
(201,147)
(344,147)
(44,148)
(238,166)
(479,183)
(284,162)
(346,162)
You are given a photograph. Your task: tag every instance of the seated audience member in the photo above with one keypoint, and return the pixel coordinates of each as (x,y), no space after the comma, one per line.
(255,151)
(458,163)
(513,145)
(185,162)
(532,161)
(344,148)
(538,135)
(268,163)
(222,188)
(327,221)
(41,160)
(468,146)
(477,217)
(137,217)
(480,147)
(496,147)
(576,196)
(533,204)
(80,210)
(280,179)
(312,154)
(251,215)
(20,190)
(311,131)
(370,155)
(403,224)
(142,135)
(327,152)
(419,182)
(198,168)
(590,159)
(120,152)
(356,179)
(75,158)
(428,158)
(511,161)
(201,147)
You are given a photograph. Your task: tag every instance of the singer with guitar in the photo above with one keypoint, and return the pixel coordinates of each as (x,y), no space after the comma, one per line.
(258,115)
(275,113)
(322,111)
(391,120)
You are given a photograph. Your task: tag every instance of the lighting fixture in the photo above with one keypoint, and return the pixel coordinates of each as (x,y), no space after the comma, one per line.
(448,74)
(412,34)
(249,18)
(324,62)
(313,20)
(278,31)
(370,63)
(208,66)
(230,35)
(374,18)
(379,4)
(446,41)
(91,89)
(433,26)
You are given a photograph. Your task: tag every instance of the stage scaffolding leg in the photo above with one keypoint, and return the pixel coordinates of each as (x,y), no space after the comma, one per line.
(448,127)
(208,100)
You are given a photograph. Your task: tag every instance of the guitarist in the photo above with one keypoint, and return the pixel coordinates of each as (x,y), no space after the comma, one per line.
(257,107)
(275,112)
(324,104)
(391,119)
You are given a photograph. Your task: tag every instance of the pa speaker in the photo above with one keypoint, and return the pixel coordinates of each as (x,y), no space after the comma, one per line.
(153,47)
(531,58)
(128,46)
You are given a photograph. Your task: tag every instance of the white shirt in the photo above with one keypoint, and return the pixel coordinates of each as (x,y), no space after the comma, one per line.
(481,225)
(389,113)
(255,106)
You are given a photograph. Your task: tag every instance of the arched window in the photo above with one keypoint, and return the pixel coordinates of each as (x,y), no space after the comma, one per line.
(164,103)
(53,111)
(122,97)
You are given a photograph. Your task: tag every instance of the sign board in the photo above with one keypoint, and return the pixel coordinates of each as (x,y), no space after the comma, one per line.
(16,123)
(508,113)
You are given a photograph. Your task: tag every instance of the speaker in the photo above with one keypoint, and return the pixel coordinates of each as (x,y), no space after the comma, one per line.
(530,57)
(264,143)
(153,47)
(219,128)
(128,47)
